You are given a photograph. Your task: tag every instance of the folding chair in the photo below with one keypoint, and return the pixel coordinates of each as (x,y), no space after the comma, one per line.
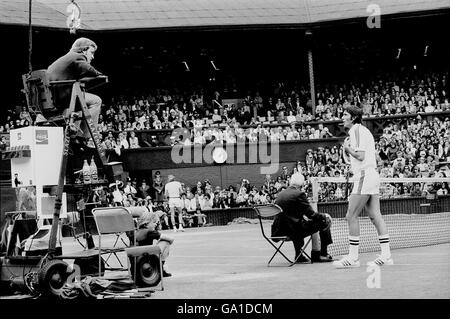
(271,210)
(117,221)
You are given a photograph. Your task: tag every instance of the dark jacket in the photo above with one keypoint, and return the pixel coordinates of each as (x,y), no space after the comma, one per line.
(72,66)
(291,222)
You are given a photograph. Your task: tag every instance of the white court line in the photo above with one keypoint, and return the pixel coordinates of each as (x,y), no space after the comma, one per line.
(259,256)
(299,265)
(222,256)
(418,253)
(214,232)
(430,264)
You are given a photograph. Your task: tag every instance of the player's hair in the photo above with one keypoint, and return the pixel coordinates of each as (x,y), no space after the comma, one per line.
(355,112)
(82,44)
(357,119)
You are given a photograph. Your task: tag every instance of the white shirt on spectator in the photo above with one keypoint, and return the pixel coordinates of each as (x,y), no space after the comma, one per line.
(423,167)
(199,139)
(129,189)
(429,108)
(117,196)
(291,118)
(230,138)
(206,204)
(197,201)
(290,136)
(274,137)
(339,193)
(134,142)
(317,134)
(124,144)
(186,203)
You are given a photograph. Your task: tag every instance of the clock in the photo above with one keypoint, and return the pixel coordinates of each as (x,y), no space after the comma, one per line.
(219,155)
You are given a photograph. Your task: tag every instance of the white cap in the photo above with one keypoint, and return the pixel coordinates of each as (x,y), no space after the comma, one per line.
(297,179)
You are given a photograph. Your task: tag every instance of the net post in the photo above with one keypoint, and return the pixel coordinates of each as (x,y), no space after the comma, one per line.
(315,193)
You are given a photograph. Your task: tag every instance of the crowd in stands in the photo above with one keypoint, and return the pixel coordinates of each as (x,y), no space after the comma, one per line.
(286,104)
(401,152)
(222,123)
(412,149)
(203,196)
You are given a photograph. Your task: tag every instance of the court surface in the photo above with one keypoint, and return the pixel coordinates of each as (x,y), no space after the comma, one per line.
(231,262)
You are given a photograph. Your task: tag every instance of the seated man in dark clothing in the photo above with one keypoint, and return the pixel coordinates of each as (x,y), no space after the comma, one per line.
(76,64)
(298,220)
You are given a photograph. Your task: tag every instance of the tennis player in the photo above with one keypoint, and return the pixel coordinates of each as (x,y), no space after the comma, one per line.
(173,191)
(360,148)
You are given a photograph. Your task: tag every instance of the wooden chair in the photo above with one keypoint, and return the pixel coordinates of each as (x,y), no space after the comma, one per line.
(272,210)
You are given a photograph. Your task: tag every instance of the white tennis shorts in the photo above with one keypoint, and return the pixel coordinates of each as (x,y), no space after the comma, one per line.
(175,202)
(367,183)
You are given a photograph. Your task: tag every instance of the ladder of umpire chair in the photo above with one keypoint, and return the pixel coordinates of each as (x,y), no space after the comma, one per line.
(77,93)
(116,168)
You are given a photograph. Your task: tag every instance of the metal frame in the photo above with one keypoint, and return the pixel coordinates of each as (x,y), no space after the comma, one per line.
(272,210)
(112,220)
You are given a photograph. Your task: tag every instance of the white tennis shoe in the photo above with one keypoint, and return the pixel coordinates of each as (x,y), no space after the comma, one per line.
(381,261)
(346,262)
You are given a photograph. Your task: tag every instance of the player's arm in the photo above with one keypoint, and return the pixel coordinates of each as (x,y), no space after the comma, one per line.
(358,151)
(166,192)
(358,154)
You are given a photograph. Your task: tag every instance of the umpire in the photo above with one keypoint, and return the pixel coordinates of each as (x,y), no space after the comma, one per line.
(298,220)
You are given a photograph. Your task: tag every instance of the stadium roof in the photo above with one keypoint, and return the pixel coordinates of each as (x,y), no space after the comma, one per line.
(151,14)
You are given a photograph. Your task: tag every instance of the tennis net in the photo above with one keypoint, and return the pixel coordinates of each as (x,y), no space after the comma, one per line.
(412,221)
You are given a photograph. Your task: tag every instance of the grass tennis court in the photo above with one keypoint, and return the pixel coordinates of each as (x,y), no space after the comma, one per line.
(230,262)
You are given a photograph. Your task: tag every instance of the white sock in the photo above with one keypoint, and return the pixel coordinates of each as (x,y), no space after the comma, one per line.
(384,243)
(353,247)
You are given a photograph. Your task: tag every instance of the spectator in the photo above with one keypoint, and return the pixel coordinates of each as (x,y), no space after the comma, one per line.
(144,190)
(130,189)
(218,200)
(158,186)
(201,217)
(148,231)
(117,193)
(207,202)
(133,140)
(2,143)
